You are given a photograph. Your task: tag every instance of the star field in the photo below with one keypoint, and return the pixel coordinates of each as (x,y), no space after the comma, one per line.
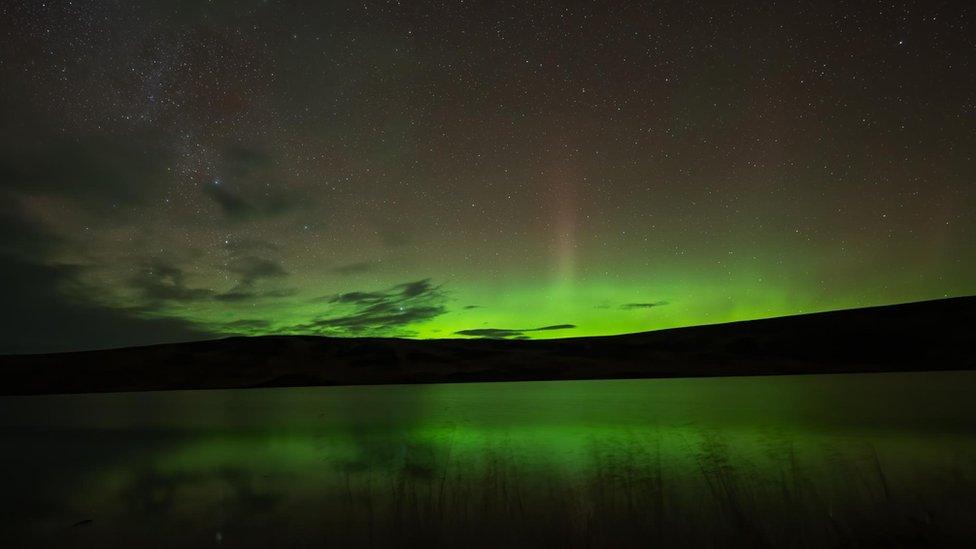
(181,170)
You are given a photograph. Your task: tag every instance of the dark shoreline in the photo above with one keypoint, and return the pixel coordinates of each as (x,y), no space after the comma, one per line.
(922,336)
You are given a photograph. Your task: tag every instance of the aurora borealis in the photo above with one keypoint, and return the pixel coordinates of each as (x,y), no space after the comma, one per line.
(184,170)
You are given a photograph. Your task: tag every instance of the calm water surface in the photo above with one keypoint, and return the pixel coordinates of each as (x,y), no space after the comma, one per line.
(873,459)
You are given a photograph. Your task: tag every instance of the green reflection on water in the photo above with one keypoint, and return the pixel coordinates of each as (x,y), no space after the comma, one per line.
(808,460)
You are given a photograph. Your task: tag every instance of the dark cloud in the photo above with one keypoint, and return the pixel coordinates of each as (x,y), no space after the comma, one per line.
(386,312)
(245,326)
(360,298)
(359,267)
(414,289)
(251,269)
(42,318)
(20,237)
(247,323)
(385,317)
(244,294)
(232,204)
(511,333)
(45,307)
(554,327)
(163,281)
(406,290)
(648,305)
(238,207)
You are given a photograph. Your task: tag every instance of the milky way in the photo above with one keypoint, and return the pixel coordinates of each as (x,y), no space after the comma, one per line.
(186,170)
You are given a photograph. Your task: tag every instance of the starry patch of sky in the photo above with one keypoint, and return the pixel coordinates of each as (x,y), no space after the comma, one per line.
(189,169)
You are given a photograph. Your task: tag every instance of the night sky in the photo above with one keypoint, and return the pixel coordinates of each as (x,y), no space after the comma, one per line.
(185,170)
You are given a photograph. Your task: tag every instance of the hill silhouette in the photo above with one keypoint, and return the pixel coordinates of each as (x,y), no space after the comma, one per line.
(929,335)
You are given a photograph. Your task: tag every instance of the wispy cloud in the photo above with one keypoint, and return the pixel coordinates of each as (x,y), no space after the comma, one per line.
(161,281)
(511,333)
(388,312)
(647,305)
(237,206)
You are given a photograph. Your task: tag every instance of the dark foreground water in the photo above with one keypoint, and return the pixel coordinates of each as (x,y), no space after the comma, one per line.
(852,460)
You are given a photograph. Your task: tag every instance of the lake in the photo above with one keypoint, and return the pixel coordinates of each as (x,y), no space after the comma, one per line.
(855,459)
